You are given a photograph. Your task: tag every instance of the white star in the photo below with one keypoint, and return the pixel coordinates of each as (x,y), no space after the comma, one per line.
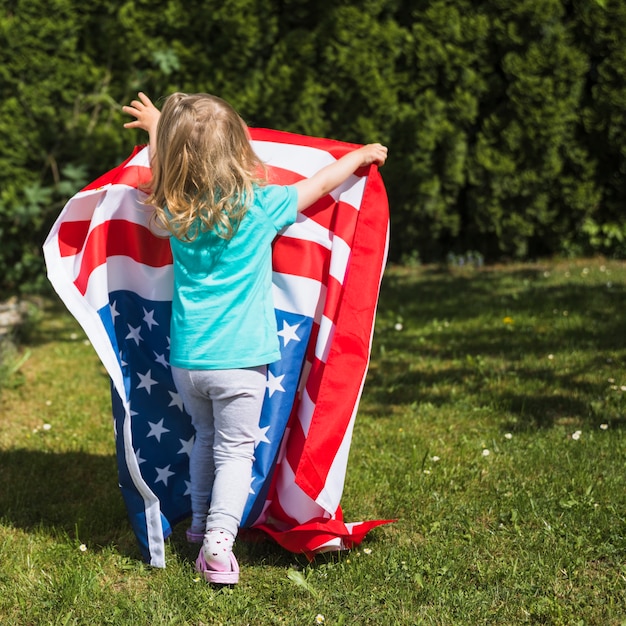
(113,307)
(188,490)
(289,332)
(187,445)
(156,430)
(148,318)
(122,362)
(274,383)
(146,381)
(260,436)
(163,474)
(134,334)
(176,400)
(138,457)
(160,358)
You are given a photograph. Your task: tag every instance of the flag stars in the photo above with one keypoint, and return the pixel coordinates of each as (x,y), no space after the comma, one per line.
(163,474)
(177,401)
(187,445)
(261,436)
(146,381)
(288,333)
(134,334)
(113,308)
(148,318)
(161,360)
(274,383)
(156,430)
(138,457)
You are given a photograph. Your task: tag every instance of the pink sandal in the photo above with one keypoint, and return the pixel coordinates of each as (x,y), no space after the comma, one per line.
(218,577)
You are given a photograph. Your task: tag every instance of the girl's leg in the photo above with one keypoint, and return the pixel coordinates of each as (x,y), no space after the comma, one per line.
(237,397)
(237,401)
(201,464)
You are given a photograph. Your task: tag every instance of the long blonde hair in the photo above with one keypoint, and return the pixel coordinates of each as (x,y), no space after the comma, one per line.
(204,167)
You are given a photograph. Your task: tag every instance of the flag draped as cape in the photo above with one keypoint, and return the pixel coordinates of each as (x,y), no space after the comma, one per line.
(115,276)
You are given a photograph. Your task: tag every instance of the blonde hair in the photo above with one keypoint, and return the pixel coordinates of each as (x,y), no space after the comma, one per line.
(204,167)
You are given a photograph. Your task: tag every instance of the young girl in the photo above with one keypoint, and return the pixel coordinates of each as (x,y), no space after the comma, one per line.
(208,191)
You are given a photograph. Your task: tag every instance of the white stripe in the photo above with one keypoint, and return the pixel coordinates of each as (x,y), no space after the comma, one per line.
(124,273)
(142,158)
(305,411)
(306,161)
(293,500)
(324,339)
(298,295)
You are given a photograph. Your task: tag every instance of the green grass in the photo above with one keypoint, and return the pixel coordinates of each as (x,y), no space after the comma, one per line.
(491,426)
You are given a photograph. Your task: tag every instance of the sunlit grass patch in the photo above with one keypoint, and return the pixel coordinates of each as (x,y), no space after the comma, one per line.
(491,427)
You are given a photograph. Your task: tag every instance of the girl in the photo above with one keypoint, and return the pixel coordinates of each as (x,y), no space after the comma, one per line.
(208,191)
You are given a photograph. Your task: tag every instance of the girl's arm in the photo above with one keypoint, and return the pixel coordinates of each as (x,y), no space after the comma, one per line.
(330,177)
(147,118)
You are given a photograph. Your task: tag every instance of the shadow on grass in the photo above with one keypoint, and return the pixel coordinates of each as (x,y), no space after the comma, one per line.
(76,494)
(454,339)
(73,493)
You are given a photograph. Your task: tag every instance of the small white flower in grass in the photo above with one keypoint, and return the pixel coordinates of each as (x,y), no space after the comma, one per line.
(486,452)
(550,357)
(426,471)
(82,547)
(604,426)
(73,336)
(508,436)
(434,459)
(319,619)
(47,426)
(48,402)
(398,326)
(611,380)
(576,435)
(367,551)
(623,388)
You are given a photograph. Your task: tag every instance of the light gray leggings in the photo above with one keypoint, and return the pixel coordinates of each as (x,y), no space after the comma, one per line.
(225,406)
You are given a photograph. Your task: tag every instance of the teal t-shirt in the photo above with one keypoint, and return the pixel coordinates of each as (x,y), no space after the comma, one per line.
(222,308)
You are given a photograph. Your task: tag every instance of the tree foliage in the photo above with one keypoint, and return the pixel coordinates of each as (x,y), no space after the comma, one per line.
(505,120)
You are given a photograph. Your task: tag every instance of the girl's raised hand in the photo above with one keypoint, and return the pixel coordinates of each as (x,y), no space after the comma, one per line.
(145,113)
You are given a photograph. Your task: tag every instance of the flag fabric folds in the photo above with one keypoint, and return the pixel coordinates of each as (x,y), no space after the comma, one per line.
(112,269)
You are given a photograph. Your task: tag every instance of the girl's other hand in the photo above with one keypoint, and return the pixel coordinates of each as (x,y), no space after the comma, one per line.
(373,153)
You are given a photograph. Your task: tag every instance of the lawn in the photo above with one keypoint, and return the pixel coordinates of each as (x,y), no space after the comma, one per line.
(491,426)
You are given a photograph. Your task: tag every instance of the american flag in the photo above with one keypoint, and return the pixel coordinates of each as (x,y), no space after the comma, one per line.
(114,274)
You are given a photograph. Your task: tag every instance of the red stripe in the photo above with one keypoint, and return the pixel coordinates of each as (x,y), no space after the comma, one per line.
(72,237)
(134,176)
(121,238)
(300,257)
(349,352)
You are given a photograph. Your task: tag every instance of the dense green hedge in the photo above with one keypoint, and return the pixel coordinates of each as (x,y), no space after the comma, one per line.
(505,120)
